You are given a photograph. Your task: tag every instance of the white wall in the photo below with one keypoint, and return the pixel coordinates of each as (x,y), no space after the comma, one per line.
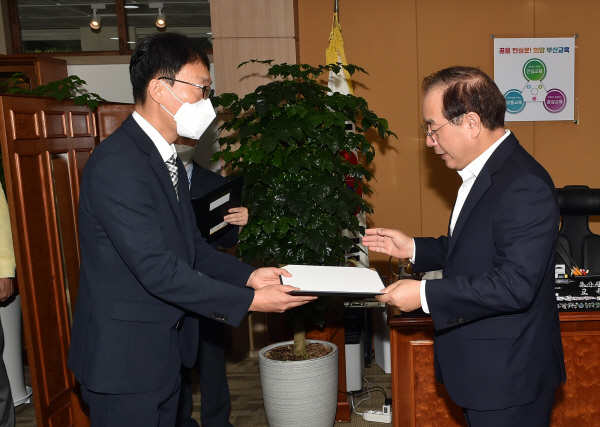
(110,81)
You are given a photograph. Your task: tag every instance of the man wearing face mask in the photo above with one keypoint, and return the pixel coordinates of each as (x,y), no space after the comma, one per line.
(210,364)
(144,264)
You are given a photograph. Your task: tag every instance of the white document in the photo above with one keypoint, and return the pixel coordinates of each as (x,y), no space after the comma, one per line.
(316,280)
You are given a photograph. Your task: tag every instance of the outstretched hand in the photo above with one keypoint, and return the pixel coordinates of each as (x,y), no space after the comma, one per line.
(266,276)
(276,299)
(404,294)
(388,241)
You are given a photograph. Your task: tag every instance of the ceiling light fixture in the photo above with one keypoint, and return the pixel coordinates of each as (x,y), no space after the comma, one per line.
(161,19)
(95,22)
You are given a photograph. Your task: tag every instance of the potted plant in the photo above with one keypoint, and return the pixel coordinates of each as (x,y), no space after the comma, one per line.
(289,139)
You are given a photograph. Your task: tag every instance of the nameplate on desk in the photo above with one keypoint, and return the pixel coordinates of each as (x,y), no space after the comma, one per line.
(578,293)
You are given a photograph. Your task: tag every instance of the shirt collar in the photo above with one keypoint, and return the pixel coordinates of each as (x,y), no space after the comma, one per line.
(474,168)
(165,149)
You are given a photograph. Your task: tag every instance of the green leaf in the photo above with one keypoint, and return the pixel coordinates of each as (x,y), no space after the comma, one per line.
(269,143)
(215,157)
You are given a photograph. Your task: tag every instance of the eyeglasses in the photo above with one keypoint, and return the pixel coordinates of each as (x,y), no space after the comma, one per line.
(207,92)
(431,133)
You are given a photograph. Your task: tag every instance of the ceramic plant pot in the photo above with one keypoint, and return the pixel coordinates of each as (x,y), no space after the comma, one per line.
(300,393)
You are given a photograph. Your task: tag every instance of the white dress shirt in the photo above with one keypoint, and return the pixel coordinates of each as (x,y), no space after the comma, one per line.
(165,149)
(469,174)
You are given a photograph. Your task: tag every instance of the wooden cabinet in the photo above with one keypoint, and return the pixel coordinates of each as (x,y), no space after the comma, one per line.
(420,401)
(40,69)
(45,145)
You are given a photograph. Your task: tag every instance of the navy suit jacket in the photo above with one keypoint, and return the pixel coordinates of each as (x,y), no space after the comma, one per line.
(497,334)
(144,265)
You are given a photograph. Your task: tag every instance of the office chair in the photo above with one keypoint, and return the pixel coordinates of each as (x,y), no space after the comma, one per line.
(576,203)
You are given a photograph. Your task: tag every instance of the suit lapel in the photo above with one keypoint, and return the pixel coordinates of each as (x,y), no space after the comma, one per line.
(480,186)
(482,183)
(162,173)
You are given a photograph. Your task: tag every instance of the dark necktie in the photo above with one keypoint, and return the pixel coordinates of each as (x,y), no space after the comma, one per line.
(172,167)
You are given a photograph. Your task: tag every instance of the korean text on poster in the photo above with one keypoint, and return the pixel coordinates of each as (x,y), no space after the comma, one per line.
(537,77)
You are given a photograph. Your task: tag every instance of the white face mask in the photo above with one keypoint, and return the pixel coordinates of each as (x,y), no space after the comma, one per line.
(185,152)
(192,119)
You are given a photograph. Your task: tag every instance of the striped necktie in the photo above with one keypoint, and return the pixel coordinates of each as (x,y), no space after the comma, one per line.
(172,167)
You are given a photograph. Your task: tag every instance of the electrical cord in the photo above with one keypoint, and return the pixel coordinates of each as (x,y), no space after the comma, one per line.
(362,392)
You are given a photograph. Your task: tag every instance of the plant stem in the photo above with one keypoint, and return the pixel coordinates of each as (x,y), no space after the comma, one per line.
(299,337)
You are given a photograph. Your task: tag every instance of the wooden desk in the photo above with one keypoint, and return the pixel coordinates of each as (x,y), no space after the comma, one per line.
(418,400)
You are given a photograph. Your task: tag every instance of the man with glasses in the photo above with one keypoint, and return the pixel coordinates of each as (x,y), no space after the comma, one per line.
(144,264)
(497,343)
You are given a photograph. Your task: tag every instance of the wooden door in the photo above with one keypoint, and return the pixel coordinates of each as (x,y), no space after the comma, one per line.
(45,144)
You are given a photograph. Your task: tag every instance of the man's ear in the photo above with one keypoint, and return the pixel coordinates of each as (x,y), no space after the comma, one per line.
(155,91)
(474,124)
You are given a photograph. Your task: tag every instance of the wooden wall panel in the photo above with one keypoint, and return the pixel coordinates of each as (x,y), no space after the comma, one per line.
(81,124)
(443,42)
(231,52)
(256,29)
(253,19)
(43,169)
(54,124)
(570,151)
(25,125)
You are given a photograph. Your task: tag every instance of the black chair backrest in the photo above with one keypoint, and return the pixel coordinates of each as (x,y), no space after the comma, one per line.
(576,204)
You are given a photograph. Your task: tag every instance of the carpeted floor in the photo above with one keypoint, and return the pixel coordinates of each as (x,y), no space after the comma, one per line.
(246,397)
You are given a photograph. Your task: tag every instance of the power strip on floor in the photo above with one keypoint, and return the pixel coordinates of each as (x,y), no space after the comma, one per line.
(377,416)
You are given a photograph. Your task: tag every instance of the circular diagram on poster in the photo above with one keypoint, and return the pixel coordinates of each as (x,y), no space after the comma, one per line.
(555,101)
(534,69)
(514,101)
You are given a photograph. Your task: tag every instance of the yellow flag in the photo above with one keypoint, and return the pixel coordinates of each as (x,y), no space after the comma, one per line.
(335,55)
(342,83)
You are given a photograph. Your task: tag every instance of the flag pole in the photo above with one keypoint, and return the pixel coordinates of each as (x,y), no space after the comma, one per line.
(336,8)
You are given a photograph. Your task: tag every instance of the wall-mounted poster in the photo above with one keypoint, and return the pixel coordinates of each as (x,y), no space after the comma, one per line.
(537,77)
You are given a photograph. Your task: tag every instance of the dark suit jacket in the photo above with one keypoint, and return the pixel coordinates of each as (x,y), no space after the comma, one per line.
(497,335)
(203,182)
(144,265)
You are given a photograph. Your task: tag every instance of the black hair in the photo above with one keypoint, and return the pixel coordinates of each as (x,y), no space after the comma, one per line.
(468,89)
(161,55)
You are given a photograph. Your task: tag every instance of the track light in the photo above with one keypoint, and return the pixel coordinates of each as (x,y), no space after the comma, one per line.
(95,22)
(161,19)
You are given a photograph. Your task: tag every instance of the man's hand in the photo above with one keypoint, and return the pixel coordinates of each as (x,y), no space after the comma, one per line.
(6,288)
(266,277)
(404,294)
(391,242)
(275,299)
(237,216)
